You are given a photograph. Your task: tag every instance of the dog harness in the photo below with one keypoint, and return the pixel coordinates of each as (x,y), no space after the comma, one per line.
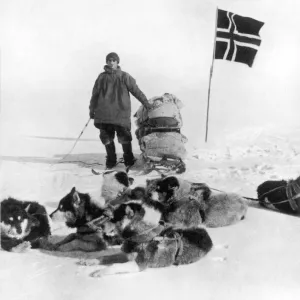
(146,235)
(292,192)
(179,244)
(144,238)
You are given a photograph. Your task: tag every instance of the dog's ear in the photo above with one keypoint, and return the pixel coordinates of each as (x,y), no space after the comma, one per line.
(76,199)
(75,196)
(27,208)
(131,180)
(163,175)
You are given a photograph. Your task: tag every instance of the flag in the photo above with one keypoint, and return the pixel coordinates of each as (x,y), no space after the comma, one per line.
(237,37)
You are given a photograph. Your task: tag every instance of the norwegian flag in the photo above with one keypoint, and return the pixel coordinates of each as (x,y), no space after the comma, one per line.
(237,37)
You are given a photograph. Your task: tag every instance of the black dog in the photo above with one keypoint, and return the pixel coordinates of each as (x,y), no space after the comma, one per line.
(148,244)
(24,224)
(281,194)
(77,210)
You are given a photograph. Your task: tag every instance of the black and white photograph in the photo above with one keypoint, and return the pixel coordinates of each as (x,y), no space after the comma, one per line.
(149,149)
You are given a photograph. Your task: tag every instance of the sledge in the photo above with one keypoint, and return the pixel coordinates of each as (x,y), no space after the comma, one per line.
(163,165)
(159,135)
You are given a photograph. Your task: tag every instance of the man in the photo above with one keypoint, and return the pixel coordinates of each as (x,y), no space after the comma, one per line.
(110,107)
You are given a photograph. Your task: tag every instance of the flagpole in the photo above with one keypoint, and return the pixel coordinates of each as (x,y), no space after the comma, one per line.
(210,76)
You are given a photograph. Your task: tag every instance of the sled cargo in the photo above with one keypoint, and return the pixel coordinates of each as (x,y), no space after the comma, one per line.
(159,134)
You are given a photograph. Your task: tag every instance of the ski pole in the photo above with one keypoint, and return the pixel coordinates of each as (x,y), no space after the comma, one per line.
(74,143)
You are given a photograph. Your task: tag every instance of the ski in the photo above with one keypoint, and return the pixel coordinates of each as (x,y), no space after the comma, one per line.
(120,161)
(96,172)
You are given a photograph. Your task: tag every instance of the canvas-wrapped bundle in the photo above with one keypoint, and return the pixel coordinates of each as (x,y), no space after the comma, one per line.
(158,130)
(164,144)
(165,112)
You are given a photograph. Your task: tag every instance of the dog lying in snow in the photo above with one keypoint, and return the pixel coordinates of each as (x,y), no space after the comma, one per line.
(215,209)
(24,225)
(281,194)
(76,210)
(148,244)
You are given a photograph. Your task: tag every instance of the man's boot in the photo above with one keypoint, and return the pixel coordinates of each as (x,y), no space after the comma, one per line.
(129,159)
(111,158)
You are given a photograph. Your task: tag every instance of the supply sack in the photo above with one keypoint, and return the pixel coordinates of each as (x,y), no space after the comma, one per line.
(165,112)
(164,144)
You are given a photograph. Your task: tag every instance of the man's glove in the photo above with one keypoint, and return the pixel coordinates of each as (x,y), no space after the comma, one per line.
(92,114)
(148,106)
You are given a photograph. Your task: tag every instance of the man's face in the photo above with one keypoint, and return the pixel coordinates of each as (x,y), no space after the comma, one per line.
(112,63)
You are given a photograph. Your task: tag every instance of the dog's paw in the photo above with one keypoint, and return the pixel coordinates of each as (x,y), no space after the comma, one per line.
(88,262)
(23,247)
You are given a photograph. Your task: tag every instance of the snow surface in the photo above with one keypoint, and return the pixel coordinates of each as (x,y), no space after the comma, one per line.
(260,262)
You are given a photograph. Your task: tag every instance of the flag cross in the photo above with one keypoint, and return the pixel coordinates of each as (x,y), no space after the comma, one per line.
(236,39)
(233,37)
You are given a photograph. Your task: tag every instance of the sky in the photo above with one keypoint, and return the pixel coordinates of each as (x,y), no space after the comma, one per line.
(53,51)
